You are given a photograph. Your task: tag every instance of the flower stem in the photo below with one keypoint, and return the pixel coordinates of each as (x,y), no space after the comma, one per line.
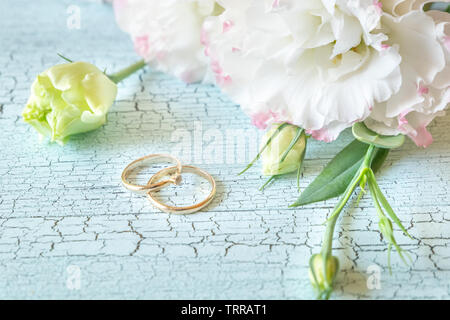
(124,73)
(328,238)
(327,244)
(331,222)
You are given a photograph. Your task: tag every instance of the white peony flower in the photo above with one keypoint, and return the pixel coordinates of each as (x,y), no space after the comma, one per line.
(423,41)
(167,34)
(326,64)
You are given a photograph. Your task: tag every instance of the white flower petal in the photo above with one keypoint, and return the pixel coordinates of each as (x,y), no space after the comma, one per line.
(425,69)
(167,34)
(304,62)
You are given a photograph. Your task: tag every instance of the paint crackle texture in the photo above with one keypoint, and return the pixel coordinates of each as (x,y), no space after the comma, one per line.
(66,207)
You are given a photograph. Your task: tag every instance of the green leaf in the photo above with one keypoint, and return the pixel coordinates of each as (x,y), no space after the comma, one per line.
(338,174)
(364,134)
(439,5)
(379,159)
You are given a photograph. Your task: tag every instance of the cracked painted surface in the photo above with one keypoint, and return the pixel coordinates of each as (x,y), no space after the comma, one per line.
(63,207)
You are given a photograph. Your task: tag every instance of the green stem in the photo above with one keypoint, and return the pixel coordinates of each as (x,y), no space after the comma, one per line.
(375,199)
(327,244)
(331,222)
(369,156)
(362,171)
(124,73)
(347,194)
(328,238)
(327,248)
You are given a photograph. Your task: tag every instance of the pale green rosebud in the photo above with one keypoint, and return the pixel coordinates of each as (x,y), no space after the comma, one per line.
(385,225)
(68,99)
(272,155)
(320,280)
(386,229)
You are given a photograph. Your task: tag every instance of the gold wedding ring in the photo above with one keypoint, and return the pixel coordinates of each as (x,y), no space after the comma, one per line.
(176,179)
(182,210)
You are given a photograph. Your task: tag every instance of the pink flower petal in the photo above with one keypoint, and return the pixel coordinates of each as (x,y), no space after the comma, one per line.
(321,135)
(142,45)
(227,25)
(260,120)
(422,138)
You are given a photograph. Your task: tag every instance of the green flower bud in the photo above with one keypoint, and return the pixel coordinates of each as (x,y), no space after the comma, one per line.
(320,280)
(68,99)
(386,229)
(385,225)
(273,154)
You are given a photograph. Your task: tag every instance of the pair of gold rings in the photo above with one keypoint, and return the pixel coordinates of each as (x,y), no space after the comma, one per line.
(174,177)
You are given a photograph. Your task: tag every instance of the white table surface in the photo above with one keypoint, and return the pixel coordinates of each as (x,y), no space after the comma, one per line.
(64,207)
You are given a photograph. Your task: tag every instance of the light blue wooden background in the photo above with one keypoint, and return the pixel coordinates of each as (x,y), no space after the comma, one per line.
(63,207)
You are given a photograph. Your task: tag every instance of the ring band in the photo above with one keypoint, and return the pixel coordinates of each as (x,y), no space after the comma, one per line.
(152,186)
(182,210)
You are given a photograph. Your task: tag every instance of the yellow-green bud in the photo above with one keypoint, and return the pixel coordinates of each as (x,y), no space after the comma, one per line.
(317,275)
(68,99)
(272,155)
(386,229)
